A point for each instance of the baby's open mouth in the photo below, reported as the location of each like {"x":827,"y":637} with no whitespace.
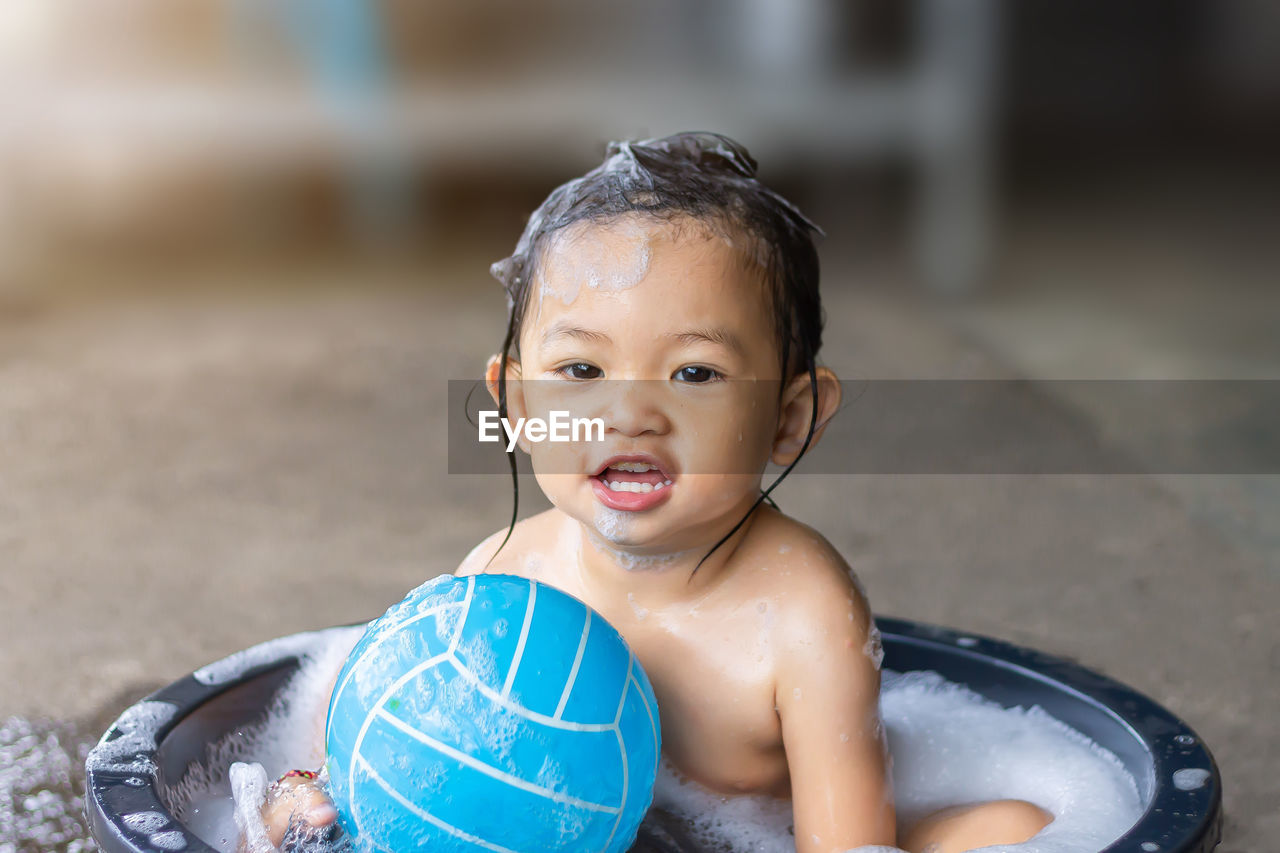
{"x":639,"y":477}
{"x":632,"y":474}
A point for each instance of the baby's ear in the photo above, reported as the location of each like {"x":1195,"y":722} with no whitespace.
{"x":515,"y":393}
{"x":797,"y":410}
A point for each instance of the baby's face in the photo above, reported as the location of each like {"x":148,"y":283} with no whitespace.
{"x":666,"y":334}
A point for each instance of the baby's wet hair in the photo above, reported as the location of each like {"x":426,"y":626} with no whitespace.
{"x":707,"y":178}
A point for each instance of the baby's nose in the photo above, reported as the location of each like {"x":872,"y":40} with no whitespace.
{"x":635,"y":407}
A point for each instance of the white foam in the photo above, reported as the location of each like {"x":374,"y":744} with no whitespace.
{"x":249,"y":791}
{"x":613,"y":527}
{"x":1190,"y":778}
{"x":137,"y":727}
{"x":169,"y":840}
{"x":873,"y":648}
{"x":290,"y":737}
{"x":577,"y":256}
{"x":949,"y":746}
{"x":231,"y":668}
{"x":145,"y":822}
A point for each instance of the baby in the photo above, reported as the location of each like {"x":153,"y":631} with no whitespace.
{"x":673,"y":296}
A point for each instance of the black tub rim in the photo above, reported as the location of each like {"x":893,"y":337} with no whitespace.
{"x":1175,"y":820}
{"x":123,"y":776}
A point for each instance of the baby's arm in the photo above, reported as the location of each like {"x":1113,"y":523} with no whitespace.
{"x":828,"y":694}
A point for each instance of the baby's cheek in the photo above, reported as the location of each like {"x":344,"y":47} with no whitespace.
{"x":558,"y":487}
{"x":556,"y":458}
{"x":716,"y":493}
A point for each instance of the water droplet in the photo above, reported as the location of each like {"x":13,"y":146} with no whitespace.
{"x":967,"y":642}
{"x":1150,"y":846}
{"x":1185,"y":740}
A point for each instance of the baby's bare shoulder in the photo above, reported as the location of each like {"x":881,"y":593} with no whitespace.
{"x":819,"y":597}
{"x":503,"y":554}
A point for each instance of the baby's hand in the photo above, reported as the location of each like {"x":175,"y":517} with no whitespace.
{"x":296,"y":817}
{"x":299,"y":816}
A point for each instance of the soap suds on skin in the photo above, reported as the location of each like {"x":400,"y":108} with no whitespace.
{"x":874,"y":649}
{"x":612,"y":526}
{"x":593,"y":263}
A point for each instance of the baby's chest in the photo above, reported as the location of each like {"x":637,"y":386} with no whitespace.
{"x":716,"y":701}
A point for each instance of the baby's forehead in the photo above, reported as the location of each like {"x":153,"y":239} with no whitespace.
{"x":618,"y":253}
{"x":647,"y":274}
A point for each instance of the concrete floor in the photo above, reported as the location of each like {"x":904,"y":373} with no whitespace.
{"x":187,"y":472}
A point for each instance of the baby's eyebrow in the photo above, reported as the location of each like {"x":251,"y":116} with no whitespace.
{"x":723,"y":337}
{"x":561,"y":330}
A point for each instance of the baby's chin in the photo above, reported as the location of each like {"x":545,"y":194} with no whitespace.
{"x":619,"y":533}
{"x":616,"y":528}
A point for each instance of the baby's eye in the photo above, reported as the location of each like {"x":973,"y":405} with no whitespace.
{"x":695,"y":373}
{"x":579,"y":370}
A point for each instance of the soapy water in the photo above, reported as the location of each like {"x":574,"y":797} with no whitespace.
{"x":949,"y":746}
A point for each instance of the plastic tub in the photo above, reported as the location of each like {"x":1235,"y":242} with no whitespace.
{"x":153,"y":743}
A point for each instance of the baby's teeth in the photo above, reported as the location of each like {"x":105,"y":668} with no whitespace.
{"x":639,"y":488}
{"x":659,"y":485}
{"x":633,"y":467}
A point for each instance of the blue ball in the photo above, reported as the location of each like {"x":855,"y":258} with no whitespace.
{"x":492,"y":713}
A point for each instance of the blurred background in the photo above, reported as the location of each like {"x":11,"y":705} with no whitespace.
{"x":244,"y":245}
